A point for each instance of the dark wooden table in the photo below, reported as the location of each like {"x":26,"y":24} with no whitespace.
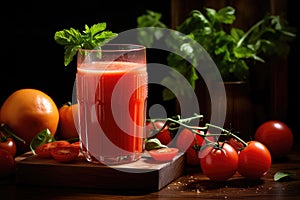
{"x":192,"y":184}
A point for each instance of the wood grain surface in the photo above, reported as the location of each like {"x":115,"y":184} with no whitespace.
{"x":192,"y":184}
{"x":144,"y":174}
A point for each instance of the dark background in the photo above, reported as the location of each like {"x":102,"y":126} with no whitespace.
{"x":293,"y":73}
{"x":30,"y":58}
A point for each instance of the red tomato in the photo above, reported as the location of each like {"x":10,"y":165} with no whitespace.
{"x":237,"y":145}
{"x":220,"y":164}
{"x":163,"y":154}
{"x":276,"y":136}
{"x":67,"y":121}
{"x":44,"y":149}
{"x":7,"y":163}
{"x":9,"y":144}
{"x":254,"y":160}
{"x":65,"y":153}
{"x":163,"y":135}
{"x":186,"y":142}
{"x":76,"y":144}
{"x":59,"y":143}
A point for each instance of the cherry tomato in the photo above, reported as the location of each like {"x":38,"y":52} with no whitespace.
{"x":163,"y":135}
{"x":67,"y":121}
{"x":254,"y":160}
{"x":65,"y":153}
{"x":7,"y":163}
{"x":237,"y":145}
{"x":190,"y":143}
{"x":8,"y":144}
{"x":44,"y":149}
{"x":276,"y":136}
{"x":163,"y":154}
{"x":220,"y":163}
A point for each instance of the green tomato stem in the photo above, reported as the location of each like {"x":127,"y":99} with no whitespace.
{"x":3,"y":137}
{"x":5,"y":128}
{"x":197,"y":129}
{"x":179,"y":121}
{"x":228,"y":133}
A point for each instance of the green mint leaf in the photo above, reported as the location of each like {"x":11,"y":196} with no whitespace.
{"x":70,"y":52}
{"x":96,"y":28}
{"x":42,"y":137}
{"x":91,"y":38}
{"x":68,"y":37}
{"x":279,"y":176}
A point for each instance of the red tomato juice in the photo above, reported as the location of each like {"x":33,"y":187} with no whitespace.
{"x":112,"y":110}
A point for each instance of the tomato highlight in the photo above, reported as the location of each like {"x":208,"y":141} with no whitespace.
{"x":9,"y":144}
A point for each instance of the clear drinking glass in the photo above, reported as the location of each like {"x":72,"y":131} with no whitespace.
{"x":112,"y":89}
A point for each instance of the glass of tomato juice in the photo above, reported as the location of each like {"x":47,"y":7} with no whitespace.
{"x":111,"y":91}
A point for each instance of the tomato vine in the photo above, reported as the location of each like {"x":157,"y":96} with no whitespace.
{"x":174,"y":124}
{"x":5,"y":128}
{"x":221,"y":153}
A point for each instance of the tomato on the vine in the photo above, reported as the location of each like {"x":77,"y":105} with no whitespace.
{"x":237,"y":145}
{"x":7,"y":163}
{"x":65,"y":153}
{"x":8,"y":144}
{"x":190,"y":142}
{"x":163,"y":154}
{"x":219,"y":163}
{"x":155,"y":130}
{"x":254,"y":160}
{"x":276,"y":136}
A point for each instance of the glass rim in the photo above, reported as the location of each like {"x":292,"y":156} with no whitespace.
{"x":126,"y":48}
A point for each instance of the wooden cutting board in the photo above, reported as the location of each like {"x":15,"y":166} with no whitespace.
{"x":144,"y":174}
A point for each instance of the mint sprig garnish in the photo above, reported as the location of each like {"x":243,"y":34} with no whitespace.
{"x":91,"y":38}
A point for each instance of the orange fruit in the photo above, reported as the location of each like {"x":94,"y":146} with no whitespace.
{"x":28,"y":111}
{"x":67,"y":121}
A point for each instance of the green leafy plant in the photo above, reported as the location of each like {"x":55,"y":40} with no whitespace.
{"x":232,"y":49}
{"x":150,"y":19}
{"x":91,"y":38}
